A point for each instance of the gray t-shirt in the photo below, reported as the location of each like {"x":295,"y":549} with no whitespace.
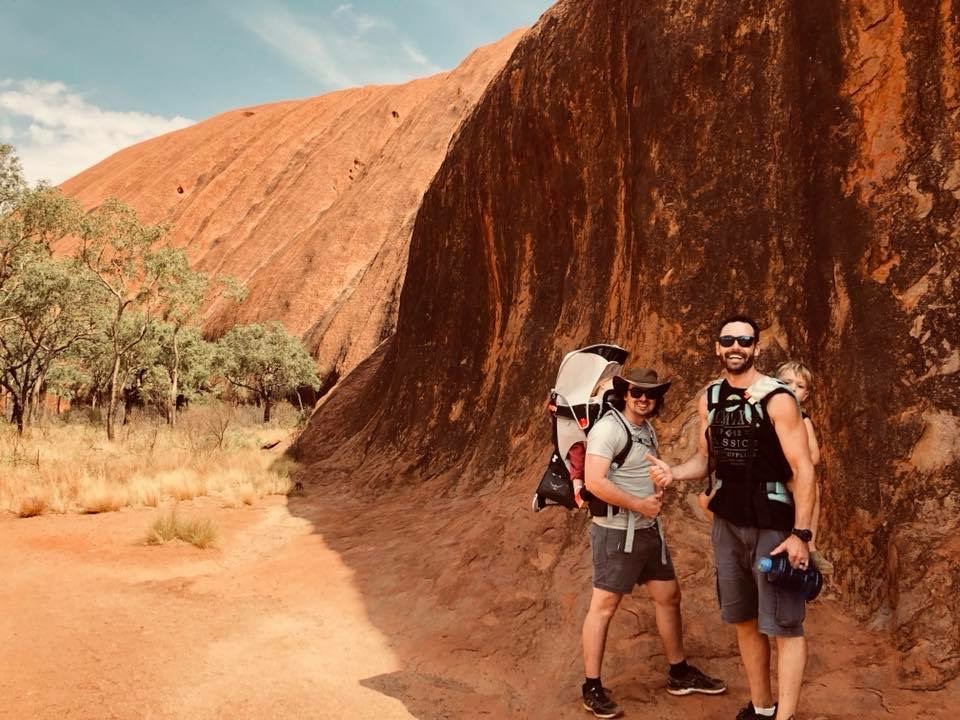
{"x":606,"y":439}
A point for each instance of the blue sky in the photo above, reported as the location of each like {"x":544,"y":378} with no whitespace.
{"x":80,"y":80}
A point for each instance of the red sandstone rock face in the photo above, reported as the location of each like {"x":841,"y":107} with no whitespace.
{"x":640,"y":170}
{"x":308,"y":202}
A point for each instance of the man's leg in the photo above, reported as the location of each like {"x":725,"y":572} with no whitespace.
{"x":791,"y":660}
{"x":682,"y":678}
{"x":666,"y":598}
{"x":755,"y":654}
{"x":603,"y":605}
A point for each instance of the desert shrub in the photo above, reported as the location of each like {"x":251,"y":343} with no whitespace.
{"x":32,"y":506}
{"x":201,"y":532}
{"x":101,"y":496}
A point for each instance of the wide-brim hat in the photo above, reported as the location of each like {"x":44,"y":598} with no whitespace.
{"x":645,"y":378}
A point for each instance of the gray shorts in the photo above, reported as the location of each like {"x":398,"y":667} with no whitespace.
{"x":617,"y":571}
{"x":743,"y":591}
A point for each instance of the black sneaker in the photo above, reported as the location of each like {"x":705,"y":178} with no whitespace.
{"x":748,"y":713}
{"x":597,"y":701}
{"x":694,"y":681}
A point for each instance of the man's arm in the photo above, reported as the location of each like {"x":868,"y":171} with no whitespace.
{"x":812,"y":442}
{"x":693,"y":468}
{"x":792,"y":433}
{"x":599,"y":484}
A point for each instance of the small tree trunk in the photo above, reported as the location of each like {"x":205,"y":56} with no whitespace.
{"x":128,"y":396}
{"x":16,"y":417}
{"x":174,"y":381}
{"x":23,"y":402}
{"x":267,"y":404}
{"x":112,"y":406}
{"x":32,"y":409}
{"x":36,"y":400}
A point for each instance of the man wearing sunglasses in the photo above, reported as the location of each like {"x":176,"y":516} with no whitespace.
{"x":627,"y":543}
{"x":752,"y":432}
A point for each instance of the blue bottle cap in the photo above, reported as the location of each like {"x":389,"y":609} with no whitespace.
{"x":765,"y":564}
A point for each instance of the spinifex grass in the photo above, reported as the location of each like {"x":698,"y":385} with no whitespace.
{"x":172,"y":526}
{"x":215,"y":449}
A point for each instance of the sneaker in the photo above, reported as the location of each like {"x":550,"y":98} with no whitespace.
{"x":748,"y":713}
{"x":598,"y":701}
{"x":694,"y":682}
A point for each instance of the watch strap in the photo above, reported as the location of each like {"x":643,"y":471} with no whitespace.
{"x":803,"y":533}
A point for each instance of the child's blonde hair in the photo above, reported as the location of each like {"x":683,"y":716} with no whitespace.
{"x":798,"y":369}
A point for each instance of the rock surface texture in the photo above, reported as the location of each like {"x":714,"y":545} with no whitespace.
{"x":638,"y":171}
{"x":310,"y":203}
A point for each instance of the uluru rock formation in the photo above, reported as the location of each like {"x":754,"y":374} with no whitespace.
{"x":638,"y":171}
{"x":309,"y":203}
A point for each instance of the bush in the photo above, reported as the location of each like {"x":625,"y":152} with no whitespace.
{"x":201,"y":533}
{"x":32,"y":506}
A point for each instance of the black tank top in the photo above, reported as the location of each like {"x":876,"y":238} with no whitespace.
{"x":748,"y":460}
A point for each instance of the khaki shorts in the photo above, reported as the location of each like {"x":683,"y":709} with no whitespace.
{"x":617,"y":571}
{"x":743,"y":591}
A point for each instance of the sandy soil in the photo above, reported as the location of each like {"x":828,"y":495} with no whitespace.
{"x":98,"y":625}
{"x":312,"y":608}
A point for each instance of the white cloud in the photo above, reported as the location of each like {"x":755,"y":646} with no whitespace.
{"x":306,"y":50}
{"x":414,"y":53}
{"x":343,"y":48}
{"x":362,"y":22}
{"x":57,"y":133}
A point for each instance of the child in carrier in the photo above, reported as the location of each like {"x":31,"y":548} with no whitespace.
{"x":577,"y":399}
{"x":798,"y":378}
{"x":576,"y":456}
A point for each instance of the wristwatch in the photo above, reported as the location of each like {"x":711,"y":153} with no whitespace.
{"x":803,"y":533}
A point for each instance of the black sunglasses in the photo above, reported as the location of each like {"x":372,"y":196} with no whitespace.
{"x":637,"y":393}
{"x":742,"y":340}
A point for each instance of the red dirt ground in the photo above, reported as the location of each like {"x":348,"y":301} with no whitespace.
{"x":311,"y":608}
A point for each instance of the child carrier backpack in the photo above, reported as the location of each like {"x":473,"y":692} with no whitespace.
{"x":581,"y":396}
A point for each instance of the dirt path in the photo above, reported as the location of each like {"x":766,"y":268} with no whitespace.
{"x":317,"y":609}
{"x":97,"y":625}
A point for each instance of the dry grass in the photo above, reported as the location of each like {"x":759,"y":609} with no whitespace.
{"x":213,"y":451}
{"x":170,"y":526}
{"x":32,"y":506}
{"x":101,"y":496}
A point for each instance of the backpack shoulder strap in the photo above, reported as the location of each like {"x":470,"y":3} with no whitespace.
{"x":713,"y":399}
{"x":622,"y":454}
{"x":764,"y":389}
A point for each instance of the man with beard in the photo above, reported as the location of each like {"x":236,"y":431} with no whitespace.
{"x":627,"y":543}
{"x":752,"y":435}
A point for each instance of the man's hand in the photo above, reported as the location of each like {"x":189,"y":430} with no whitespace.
{"x":649,"y":506}
{"x":797,"y":552}
{"x":660,"y":472}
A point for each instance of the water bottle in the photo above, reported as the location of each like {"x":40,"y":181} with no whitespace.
{"x":807,"y":582}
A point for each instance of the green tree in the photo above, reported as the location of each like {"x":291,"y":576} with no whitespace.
{"x":267,"y":361}
{"x":36,"y":218}
{"x":182,"y":367}
{"x":136,"y":275}
{"x":12,"y":182}
{"x":52,"y":306}
{"x":184,"y":292}
{"x":47,"y":305}
{"x":67,"y":378}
